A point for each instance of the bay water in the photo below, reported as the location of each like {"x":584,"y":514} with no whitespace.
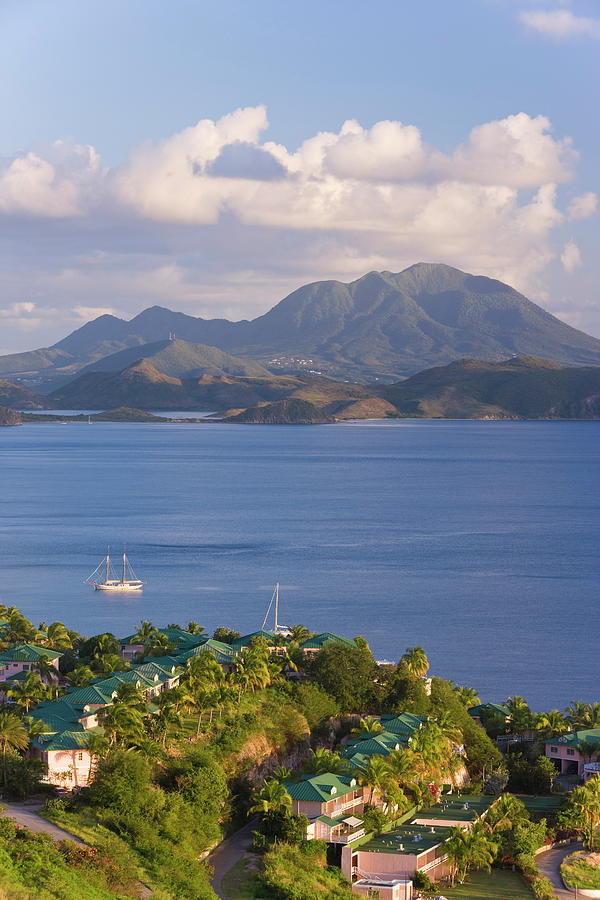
{"x":477,"y":540}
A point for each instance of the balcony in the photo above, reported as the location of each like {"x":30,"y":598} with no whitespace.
{"x":346,"y":834}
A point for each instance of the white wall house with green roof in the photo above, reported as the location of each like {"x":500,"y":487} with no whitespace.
{"x":332,"y":804}
{"x":570,"y":753}
{"x":66,"y":757}
{"x":26,"y":658}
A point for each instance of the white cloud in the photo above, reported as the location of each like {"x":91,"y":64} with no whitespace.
{"x":570,"y":256}
{"x":560,"y":23}
{"x":220,"y":222}
{"x":583,"y":207}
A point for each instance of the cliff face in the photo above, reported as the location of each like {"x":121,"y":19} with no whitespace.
{"x":9,"y":416}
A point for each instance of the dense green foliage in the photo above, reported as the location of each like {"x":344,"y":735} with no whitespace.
{"x":301,"y":873}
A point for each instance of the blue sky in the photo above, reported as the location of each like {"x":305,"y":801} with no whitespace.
{"x":110,"y":200}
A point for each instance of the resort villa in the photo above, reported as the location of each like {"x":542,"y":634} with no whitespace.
{"x":570,"y":753}
{"x":332,"y":805}
{"x":26,"y":658}
{"x":392,"y":858}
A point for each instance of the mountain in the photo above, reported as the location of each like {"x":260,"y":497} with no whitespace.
{"x":283,"y":412}
{"x":382,"y":326}
{"x":524,"y":387}
{"x":179,"y":359}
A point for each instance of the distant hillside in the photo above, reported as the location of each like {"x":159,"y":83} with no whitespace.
{"x":382,"y":326}
{"x":283,"y":412}
{"x":20,"y":397}
{"x":523,"y":387}
{"x":9,"y":417}
{"x":179,"y":359}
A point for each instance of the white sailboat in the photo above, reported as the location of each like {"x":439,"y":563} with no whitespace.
{"x":111,"y":582}
{"x":282,"y":630}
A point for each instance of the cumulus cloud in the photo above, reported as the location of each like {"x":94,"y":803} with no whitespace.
{"x":570,"y":256}
{"x":560,"y":23}
{"x":583,"y":207}
{"x":219,"y":221}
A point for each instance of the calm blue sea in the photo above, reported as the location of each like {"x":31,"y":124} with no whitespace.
{"x":478,"y":540}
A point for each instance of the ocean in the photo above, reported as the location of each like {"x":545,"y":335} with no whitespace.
{"x":477,"y":540}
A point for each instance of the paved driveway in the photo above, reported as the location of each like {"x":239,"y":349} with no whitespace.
{"x":25,"y":814}
{"x":228,"y":853}
{"x":549,"y":865}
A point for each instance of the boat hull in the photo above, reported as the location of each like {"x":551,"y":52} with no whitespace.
{"x":120,"y":588}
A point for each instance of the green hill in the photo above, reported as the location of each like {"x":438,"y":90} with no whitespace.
{"x":20,"y":397}
{"x":283,"y":412}
{"x":179,"y":359}
{"x":523,"y":387}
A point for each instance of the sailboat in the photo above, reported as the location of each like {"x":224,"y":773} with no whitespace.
{"x":127,"y":582}
{"x":282,"y":630}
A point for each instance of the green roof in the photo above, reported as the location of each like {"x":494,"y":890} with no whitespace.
{"x":408,"y":840}
{"x":28,"y":653}
{"x":166,"y":662}
{"x":246,"y":639}
{"x":59,"y":715}
{"x":320,"y":788}
{"x":404,"y":723}
{"x":177,"y":636}
{"x":223,"y":653}
{"x":375,"y":745}
{"x":67,"y":740}
{"x":489,"y":707}
{"x":151,"y":669}
{"x":452,"y":808}
{"x":320,"y":640}
{"x":84,"y":696}
{"x":574,"y":738}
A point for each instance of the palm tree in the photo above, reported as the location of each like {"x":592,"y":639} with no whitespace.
{"x":81,"y":675}
{"x":577,"y":713}
{"x":47,"y":672}
{"x":368,"y":726}
{"x":145,"y":633}
{"x":298,"y":634}
{"x":521,"y":718}
{"x":97,"y":746}
{"x":31,"y":690}
{"x":58,"y":637}
{"x":271,"y":799}
{"x":415,"y":662}
{"x":376,"y":775}
{"x":195,"y":628}
{"x":122,"y":722}
{"x":158,"y":645}
{"x":321,"y":761}
{"x":448,"y":727}
{"x":592,"y":715}
{"x":35,"y":727}
{"x":401,"y":764}
{"x":588,"y":749}
{"x":282,"y":773}
{"x":468,"y":695}
{"x":469,"y":848}
{"x":13,"y":736}
{"x":552,"y":722}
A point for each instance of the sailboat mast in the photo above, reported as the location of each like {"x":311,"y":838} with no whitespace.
{"x":107,"y":576}
{"x":124,"y":569}
{"x":276,"y":606}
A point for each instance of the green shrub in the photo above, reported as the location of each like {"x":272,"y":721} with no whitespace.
{"x":542,"y":889}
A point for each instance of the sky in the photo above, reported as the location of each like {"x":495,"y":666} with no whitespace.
{"x":213,"y":156}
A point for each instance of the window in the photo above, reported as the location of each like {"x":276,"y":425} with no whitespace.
{"x":80,"y":756}
{"x":553,"y":749}
{"x":570,"y":752}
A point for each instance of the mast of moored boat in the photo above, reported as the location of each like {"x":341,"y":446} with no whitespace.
{"x":107,"y":576}
{"x":124,"y":568}
{"x":276,"y":607}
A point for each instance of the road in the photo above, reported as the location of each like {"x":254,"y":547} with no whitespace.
{"x":549,"y":865}
{"x":25,"y":814}
{"x":228,"y":853}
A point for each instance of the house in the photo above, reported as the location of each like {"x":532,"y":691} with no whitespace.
{"x":177,"y":637}
{"x":567,"y":752}
{"x":223,"y":653}
{"x":314,"y":644}
{"x":68,"y":761}
{"x":415,"y":846}
{"x":26,"y":658}
{"x":398,"y":854}
{"x":483,"y":709}
{"x":331,"y":803}
{"x":384,"y":888}
{"x":246,"y":640}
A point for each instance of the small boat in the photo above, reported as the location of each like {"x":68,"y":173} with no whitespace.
{"x":127,"y":582}
{"x":281,"y":630}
